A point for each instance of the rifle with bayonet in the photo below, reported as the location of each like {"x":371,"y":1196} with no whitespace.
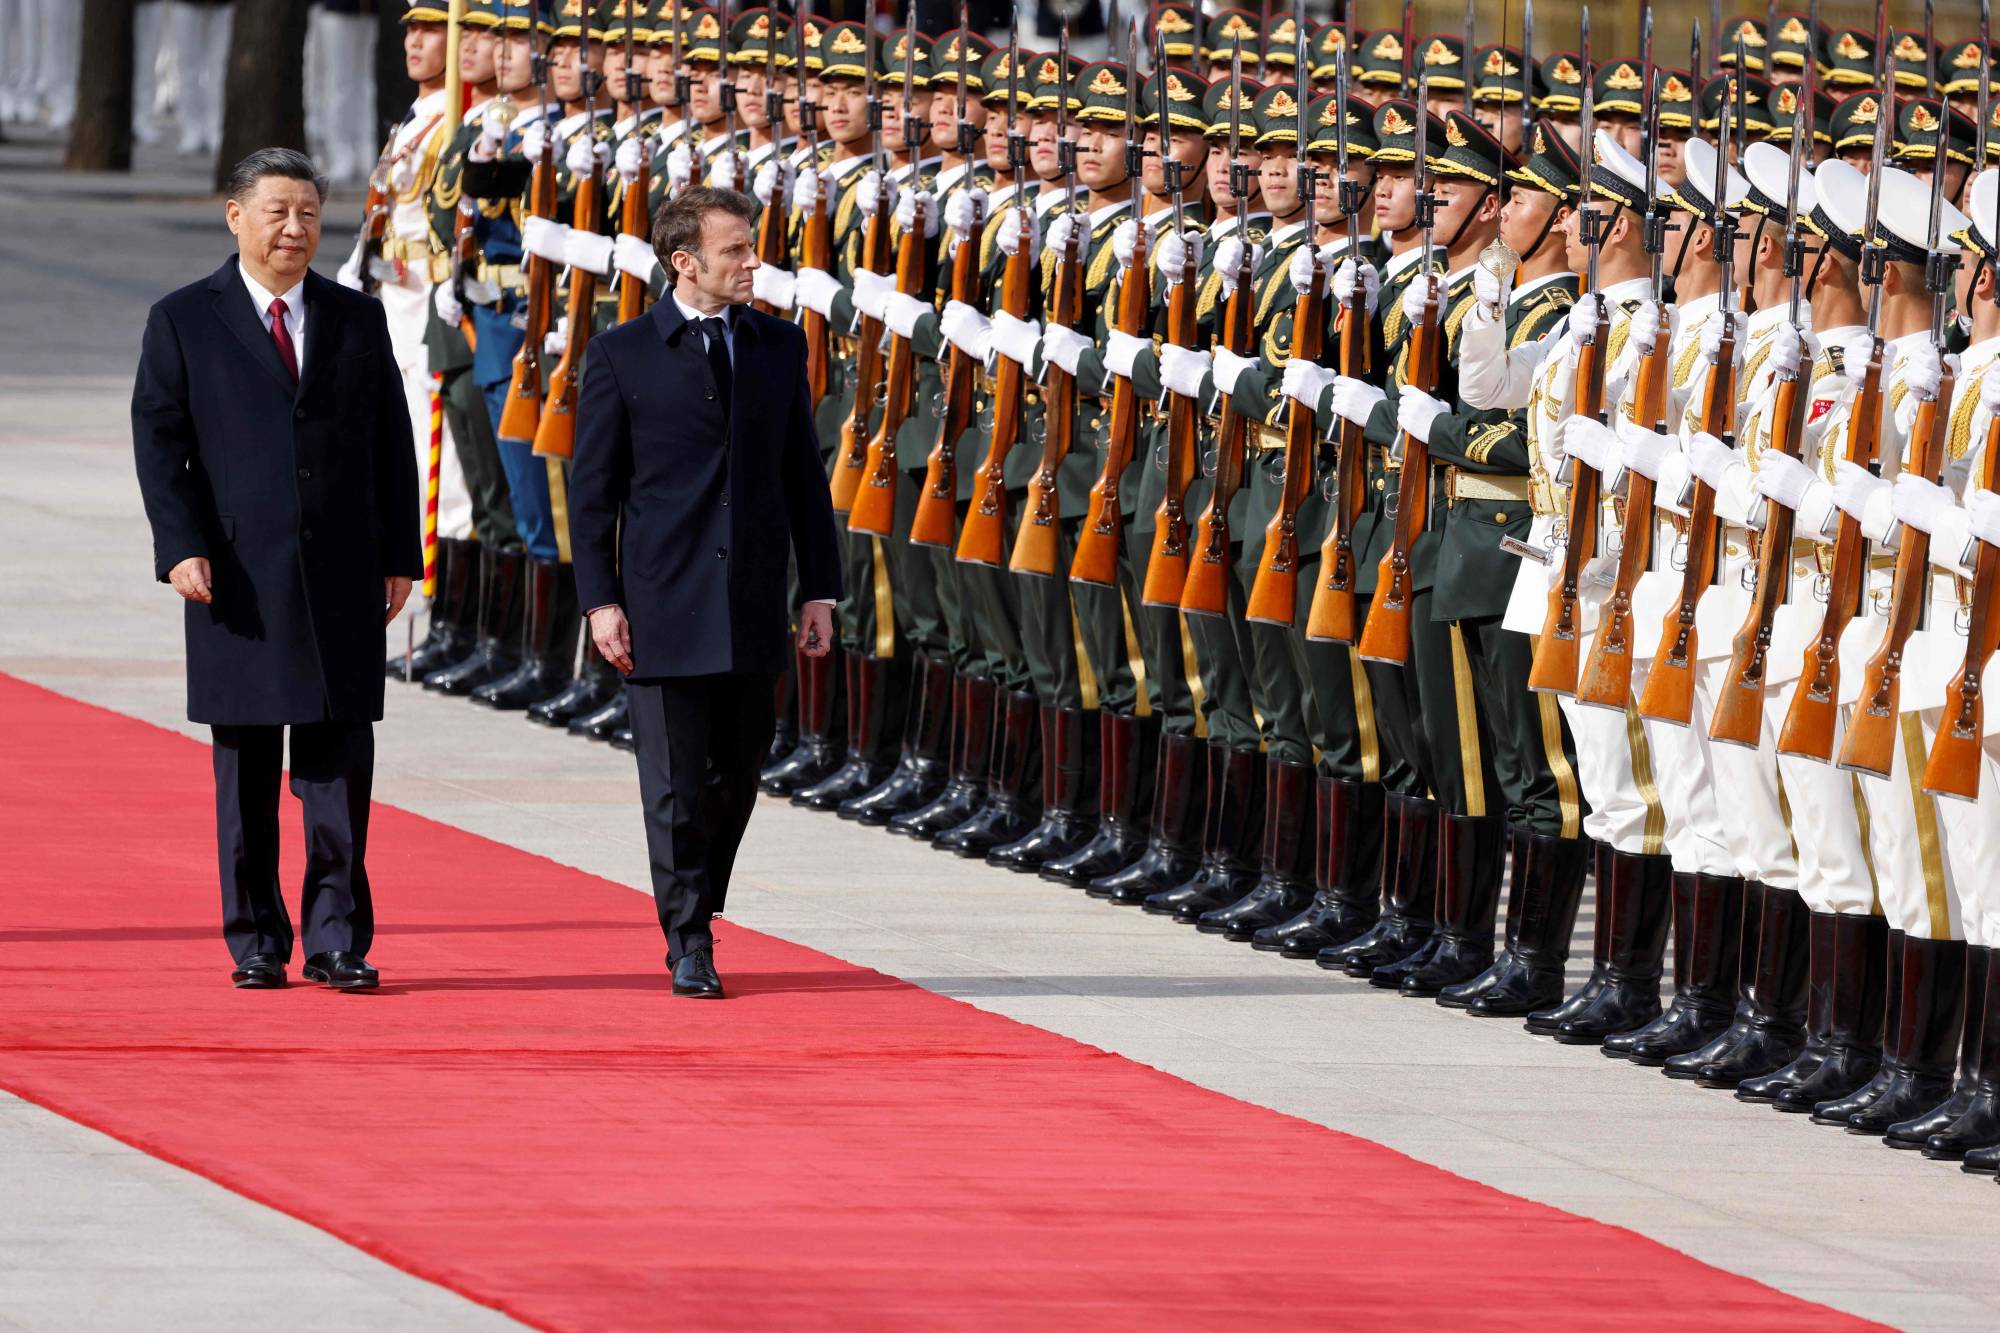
{"x":1096,"y":558}
{"x":521,"y":411}
{"x":773,"y":223}
{"x":851,"y":455}
{"x":1035,"y":542}
{"x":1557,"y":652}
{"x":1206,"y":590}
{"x":981,"y":540}
{"x":1953,"y":766}
{"x":1167,"y":562}
{"x":1386,"y":635}
{"x":1607,"y":674}
{"x":1813,"y":716}
{"x":1274,"y":594}
{"x":1870,"y":744}
{"x":874,"y":503}
{"x":816,"y":230}
{"x":937,"y":504}
{"x":555,"y":435}
{"x":634,"y":216}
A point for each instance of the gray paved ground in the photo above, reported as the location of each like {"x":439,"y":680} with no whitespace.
{"x":1812,"y":1211}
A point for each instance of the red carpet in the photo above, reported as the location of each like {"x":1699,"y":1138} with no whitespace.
{"x":525,"y":1116}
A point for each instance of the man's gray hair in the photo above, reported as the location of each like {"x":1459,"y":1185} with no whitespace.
{"x":287,"y":162}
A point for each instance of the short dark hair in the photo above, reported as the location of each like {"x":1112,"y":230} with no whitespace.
{"x":287,"y":162}
{"x":678,"y":225}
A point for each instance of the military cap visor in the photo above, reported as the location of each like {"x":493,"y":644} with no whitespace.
{"x":1185,"y":94}
{"x":1396,"y":131}
{"x":1102,"y":90}
{"x":1551,"y":166}
{"x":1469,"y":151}
{"x":994,"y":75}
{"x":1854,"y":119}
{"x":1919,"y":124}
{"x":1323,"y":128}
{"x":1497,"y":76}
{"x":1221,"y":97}
{"x":843,"y":52}
{"x":1381,"y":59}
{"x":1958,"y":68}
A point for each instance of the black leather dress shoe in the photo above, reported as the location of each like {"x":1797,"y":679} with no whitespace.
{"x":694,"y":975}
{"x":260,"y":971}
{"x":342,"y":971}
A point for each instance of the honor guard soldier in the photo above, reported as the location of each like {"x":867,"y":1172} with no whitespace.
{"x":1226,"y":28}
{"x":1562,"y":104}
{"x":1441,"y":62}
{"x":1497,"y":89}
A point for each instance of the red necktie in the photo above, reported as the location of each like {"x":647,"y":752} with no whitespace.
{"x":283,"y":337}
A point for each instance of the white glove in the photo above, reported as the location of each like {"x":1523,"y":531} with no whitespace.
{"x":869,"y":193}
{"x":1922,"y":371}
{"x":1063,"y":346}
{"x":533,"y":140}
{"x":806,"y":191}
{"x":627,"y":159}
{"x":1782,"y":478}
{"x":1009,"y":237}
{"x":633,"y":256}
{"x":1589,"y":440}
{"x":1490,"y":291}
{"x":1644,"y":450}
{"x":1417,"y":412}
{"x":680,"y":166}
{"x":1416,"y":294}
{"x":774,"y":181}
{"x":1855,"y":490}
{"x":1305,"y":382}
{"x":1061,"y":232}
{"x":1348,"y":274}
{"x":1555,"y":457}
{"x":492,"y":132}
{"x":816,"y":289}
{"x":1229,"y":258}
{"x":586,"y":152}
{"x":1583,"y":317}
{"x":1788,"y":352}
{"x":872,"y":292}
{"x":1709,"y":459}
{"x":445,"y":300}
{"x":1121,"y":352}
{"x":1124,"y":239}
{"x":902,"y":313}
{"x":556,"y":340}
{"x":1305,"y":263}
{"x":1184,"y":370}
{"x":587,"y":250}
{"x":1854,"y":354}
{"x":1982,"y":515}
{"x":913,"y":203}
{"x":967,"y":329}
{"x":1016,"y":339}
{"x":1647,"y":321}
{"x":1918,"y":502}
{"x":1229,"y":368}
{"x":726,"y":170}
{"x":774,"y":286}
{"x":349,"y":275}
{"x":1354,"y":400}
{"x":1711,"y":339}
{"x":1176,"y":254}
{"x":965,"y":211}
{"x":545,"y":237}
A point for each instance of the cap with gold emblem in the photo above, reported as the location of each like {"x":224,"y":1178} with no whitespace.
{"x":1496,"y":77}
{"x":702,"y":37}
{"x":1673,"y":98}
{"x":1922,"y":121}
{"x":1618,"y":87}
{"x":1792,"y":44}
{"x":1277,"y":112}
{"x":1176,"y":23}
{"x":1052,"y":82}
{"x":616,"y":17}
{"x":575,"y":19}
{"x":1102,"y":88}
{"x":757,"y":33}
{"x":1281,"y":43}
{"x":1322,"y":125}
{"x":1396,"y":132}
{"x":1852,"y":123}
{"x":899,"y":49}
{"x":1185,"y":93}
{"x":1381,"y":60}
{"x":1911,"y":60}
{"x":1327,"y":45}
{"x":1958,"y":68}
{"x":843,"y":52}
{"x":1468,"y":151}
{"x":521,"y":16}
{"x":1849,"y":58}
{"x":486,"y":13}
{"x":1221,"y":100}
{"x":995,"y":75}
{"x":1785,"y":101}
{"x":1552,"y":166}
{"x":1223,"y":31}
{"x":1755,"y":102}
{"x":435,"y":11}
{"x":1442,"y":57}
{"x":1562,"y":75}
{"x":807,"y":40}
{"x":1749,"y":34}
{"x":959,"y":56}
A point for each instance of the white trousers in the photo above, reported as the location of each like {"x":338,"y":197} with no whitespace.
{"x":1906,"y":834}
{"x":407,"y":306}
{"x":340,"y":93}
{"x":198,"y":37}
{"x":145,"y":73}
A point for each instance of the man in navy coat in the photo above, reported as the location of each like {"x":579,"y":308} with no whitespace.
{"x":279,"y":477}
{"x":697,"y":476}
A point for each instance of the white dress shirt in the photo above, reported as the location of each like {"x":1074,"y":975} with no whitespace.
{"x":295,"y":311}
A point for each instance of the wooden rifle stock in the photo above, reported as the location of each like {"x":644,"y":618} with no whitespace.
{"x":1167,"y":562}
{"x":1870,"y":744}
{"x":850,"y":460}
{"x":1334,"y":613}
{"x":1668,"y":695}
{"x":1814,"y":713}
{"x":521,"y":415}
{"x":1739,"y":708}
{"x":1386,"y":636}
{"x":555,"y":436}
{"x":634,"y":219}
{"x":1035,"y":541}
{"x":1096,"y":558}
{"x":1557,"y":655}
{"x":874,"y":502}
{"x":982,"y":540}
{"x":1607,"y":673}
{"x":773,"y":237}
{"x":816,"y":251}
{"x":937,"y":507}
{"x":1953,"y":766}
{"x":1274,"y":594}
{"x":1206,"y":588}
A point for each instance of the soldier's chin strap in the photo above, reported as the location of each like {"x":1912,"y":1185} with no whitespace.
{"x":1680,"y":255}
{"x":1543,"y":235}
{"x":1470,"y":214}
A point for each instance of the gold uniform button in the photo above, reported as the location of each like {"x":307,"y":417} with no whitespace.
{"x":1380,"y":483}
{"x":1500,"y":517}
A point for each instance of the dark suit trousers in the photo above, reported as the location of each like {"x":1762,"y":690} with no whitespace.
{"x":700,"y":741}
{"x":333,"y":770}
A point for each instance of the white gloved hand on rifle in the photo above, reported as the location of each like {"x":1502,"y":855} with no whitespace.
{"x":1124,"y":241}
{"x":967,"y":329}
{"x":1710,"y":459}
{"x":1782,"y":478}
{"x":1918,"y":502}
{"x":1491,"y":290}
{"x":726,"y":170}
{"x":870,"y":193}
{"x":1863,"y":497}
{"x":1347,"y":273}
{"x":816,"y":290}
{"x":1982,"y":515}
{"x":774,"y":286}
{"x":1122,"y":352}
{"x":587,"y":250}
{"x":586,"y":153}
{"x":1643,"y":451}
{"x":492,"y":132}
{"x":1590,"y":441}
{"x":1184,"y":370}
{"x":1647,"y":322}
{"x":680,"y":166}
{"x":1016,"y":339}
{"x":965,"y":211}
{"x":633,"y":256}
{"x":1583,"y":318}
{"x":534,"y":139}
{"x":902,"y":312}
{"x":1175,"y":254}
{"x":774,"y":181}
{"x":631,"y":153}
{"x":446,"y":302}
{"x":1008,"y":235}
{"x":1305,"y":382}
{"x":1354,"y":400}
{"x":556,"y":341}
{"x":1230,"y":257}
{"x":1417,"y":293}
{"x":545,"y":237}
{"x":916,"y":204}
{"x":1417,"y":412}
{"x":806,"y":191}
{"x":1063,"y":347}
{"x":1226,"y":367}
{"x":872,"y":291}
